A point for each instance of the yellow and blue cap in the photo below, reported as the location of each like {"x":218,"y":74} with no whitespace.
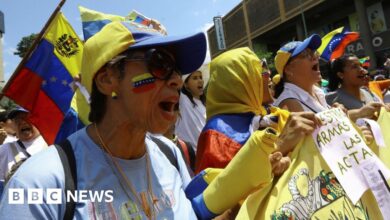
{"x":293,"y":49}
{"x":117,"y":37}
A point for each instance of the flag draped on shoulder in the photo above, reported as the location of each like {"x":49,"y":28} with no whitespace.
{"x":334,"y":43}
{"x":43,"y":84}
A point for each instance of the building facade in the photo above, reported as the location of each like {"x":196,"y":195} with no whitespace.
{"x":269,"y":24}
{"x":1,"y":49}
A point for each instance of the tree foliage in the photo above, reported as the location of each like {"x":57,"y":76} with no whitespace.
{"x":262,"y":52}
{"x":24,"y":45}
{"x":6,"y":103}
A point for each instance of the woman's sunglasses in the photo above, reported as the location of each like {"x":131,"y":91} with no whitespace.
{"x":159,"y":63}
{"x":265,"y":69}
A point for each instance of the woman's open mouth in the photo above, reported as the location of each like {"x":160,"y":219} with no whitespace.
{"x":168,"y":109}
{"x":316,"y":67}
{"x":169,"y":106}
{"x":26,"y":130}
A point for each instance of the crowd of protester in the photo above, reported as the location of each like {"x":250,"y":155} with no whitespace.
{"x":168,"y":150}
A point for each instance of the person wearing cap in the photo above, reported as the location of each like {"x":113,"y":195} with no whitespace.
{"x":297,"y":64}
{"x":192,"y":109}
{"x":133,"y":75}
{"x":7,"y":128}
{"x":29,"y":142}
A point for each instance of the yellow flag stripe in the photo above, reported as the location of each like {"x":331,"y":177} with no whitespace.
{"x":67,"y":45}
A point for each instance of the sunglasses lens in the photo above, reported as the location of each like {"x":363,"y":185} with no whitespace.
{"x":160,"y":64}
{"x":264,"y":64}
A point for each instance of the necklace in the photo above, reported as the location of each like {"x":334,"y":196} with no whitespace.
{"x":143,"y":202}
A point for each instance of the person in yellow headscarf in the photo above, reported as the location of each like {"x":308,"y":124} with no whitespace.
{"x":234,"y":107}
{"x":239,"y":121}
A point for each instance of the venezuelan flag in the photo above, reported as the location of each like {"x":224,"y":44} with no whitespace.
{"x":231,"y":129}
{"x":43,"y":84}
{"x":334,"y":43}
{"x":138,"y":18}
{"x":365,"y":61}
{"x":225,"y":134}
{"x":93,"y":21}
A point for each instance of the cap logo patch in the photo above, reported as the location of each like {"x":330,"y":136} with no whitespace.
{"x":290,"y":46}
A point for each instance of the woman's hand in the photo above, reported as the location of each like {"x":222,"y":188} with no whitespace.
{"x":367,"y":134}
{"x":340,"y":106}
{"x":387,"y":106}
{"x":370,"y":110}
{"x":279,"y":163}
{"x":298,"y":125}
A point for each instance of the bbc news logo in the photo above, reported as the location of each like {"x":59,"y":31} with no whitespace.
{"x":54,"y":196}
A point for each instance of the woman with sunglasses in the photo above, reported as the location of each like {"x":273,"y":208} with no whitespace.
{"x":298,"y":65}
{"x":192,"y":109}
{"x":133,"y":75}
{"x":347,"y":81}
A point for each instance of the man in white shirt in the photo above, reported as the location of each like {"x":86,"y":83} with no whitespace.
{"x":29,"y":142}
{"x":7,"y":128}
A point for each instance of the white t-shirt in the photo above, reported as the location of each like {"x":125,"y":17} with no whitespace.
{"x":12,"y":152}
{"x":308,"y":102}
{"x":95,"y":173}
{"x":9,"y":138}
{"x":191,"y":121}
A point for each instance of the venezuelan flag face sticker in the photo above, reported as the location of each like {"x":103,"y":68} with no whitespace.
{"x":143,"y":83}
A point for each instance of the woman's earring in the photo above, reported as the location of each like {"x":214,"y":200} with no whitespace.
{"x":114,"y":95}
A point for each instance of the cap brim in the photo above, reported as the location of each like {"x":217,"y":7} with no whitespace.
{"x":14,"y":112}
{"x":313,"y":42}
{"x":190,"y":50}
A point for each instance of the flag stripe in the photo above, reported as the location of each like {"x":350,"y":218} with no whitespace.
{"x":71,"y":123}
{"x":234,"y":126}
{"x":92,"y":27}
{"x":332,"y":44}
{"x":24,"y":83}
{"x":44,"y":113}
{"x":55,"y":77}
{"x":47,"y":117}
{"x":347,"y":39}
{"x":141,"y":20}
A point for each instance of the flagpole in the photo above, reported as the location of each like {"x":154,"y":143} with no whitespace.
{"x":32,"y":47}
